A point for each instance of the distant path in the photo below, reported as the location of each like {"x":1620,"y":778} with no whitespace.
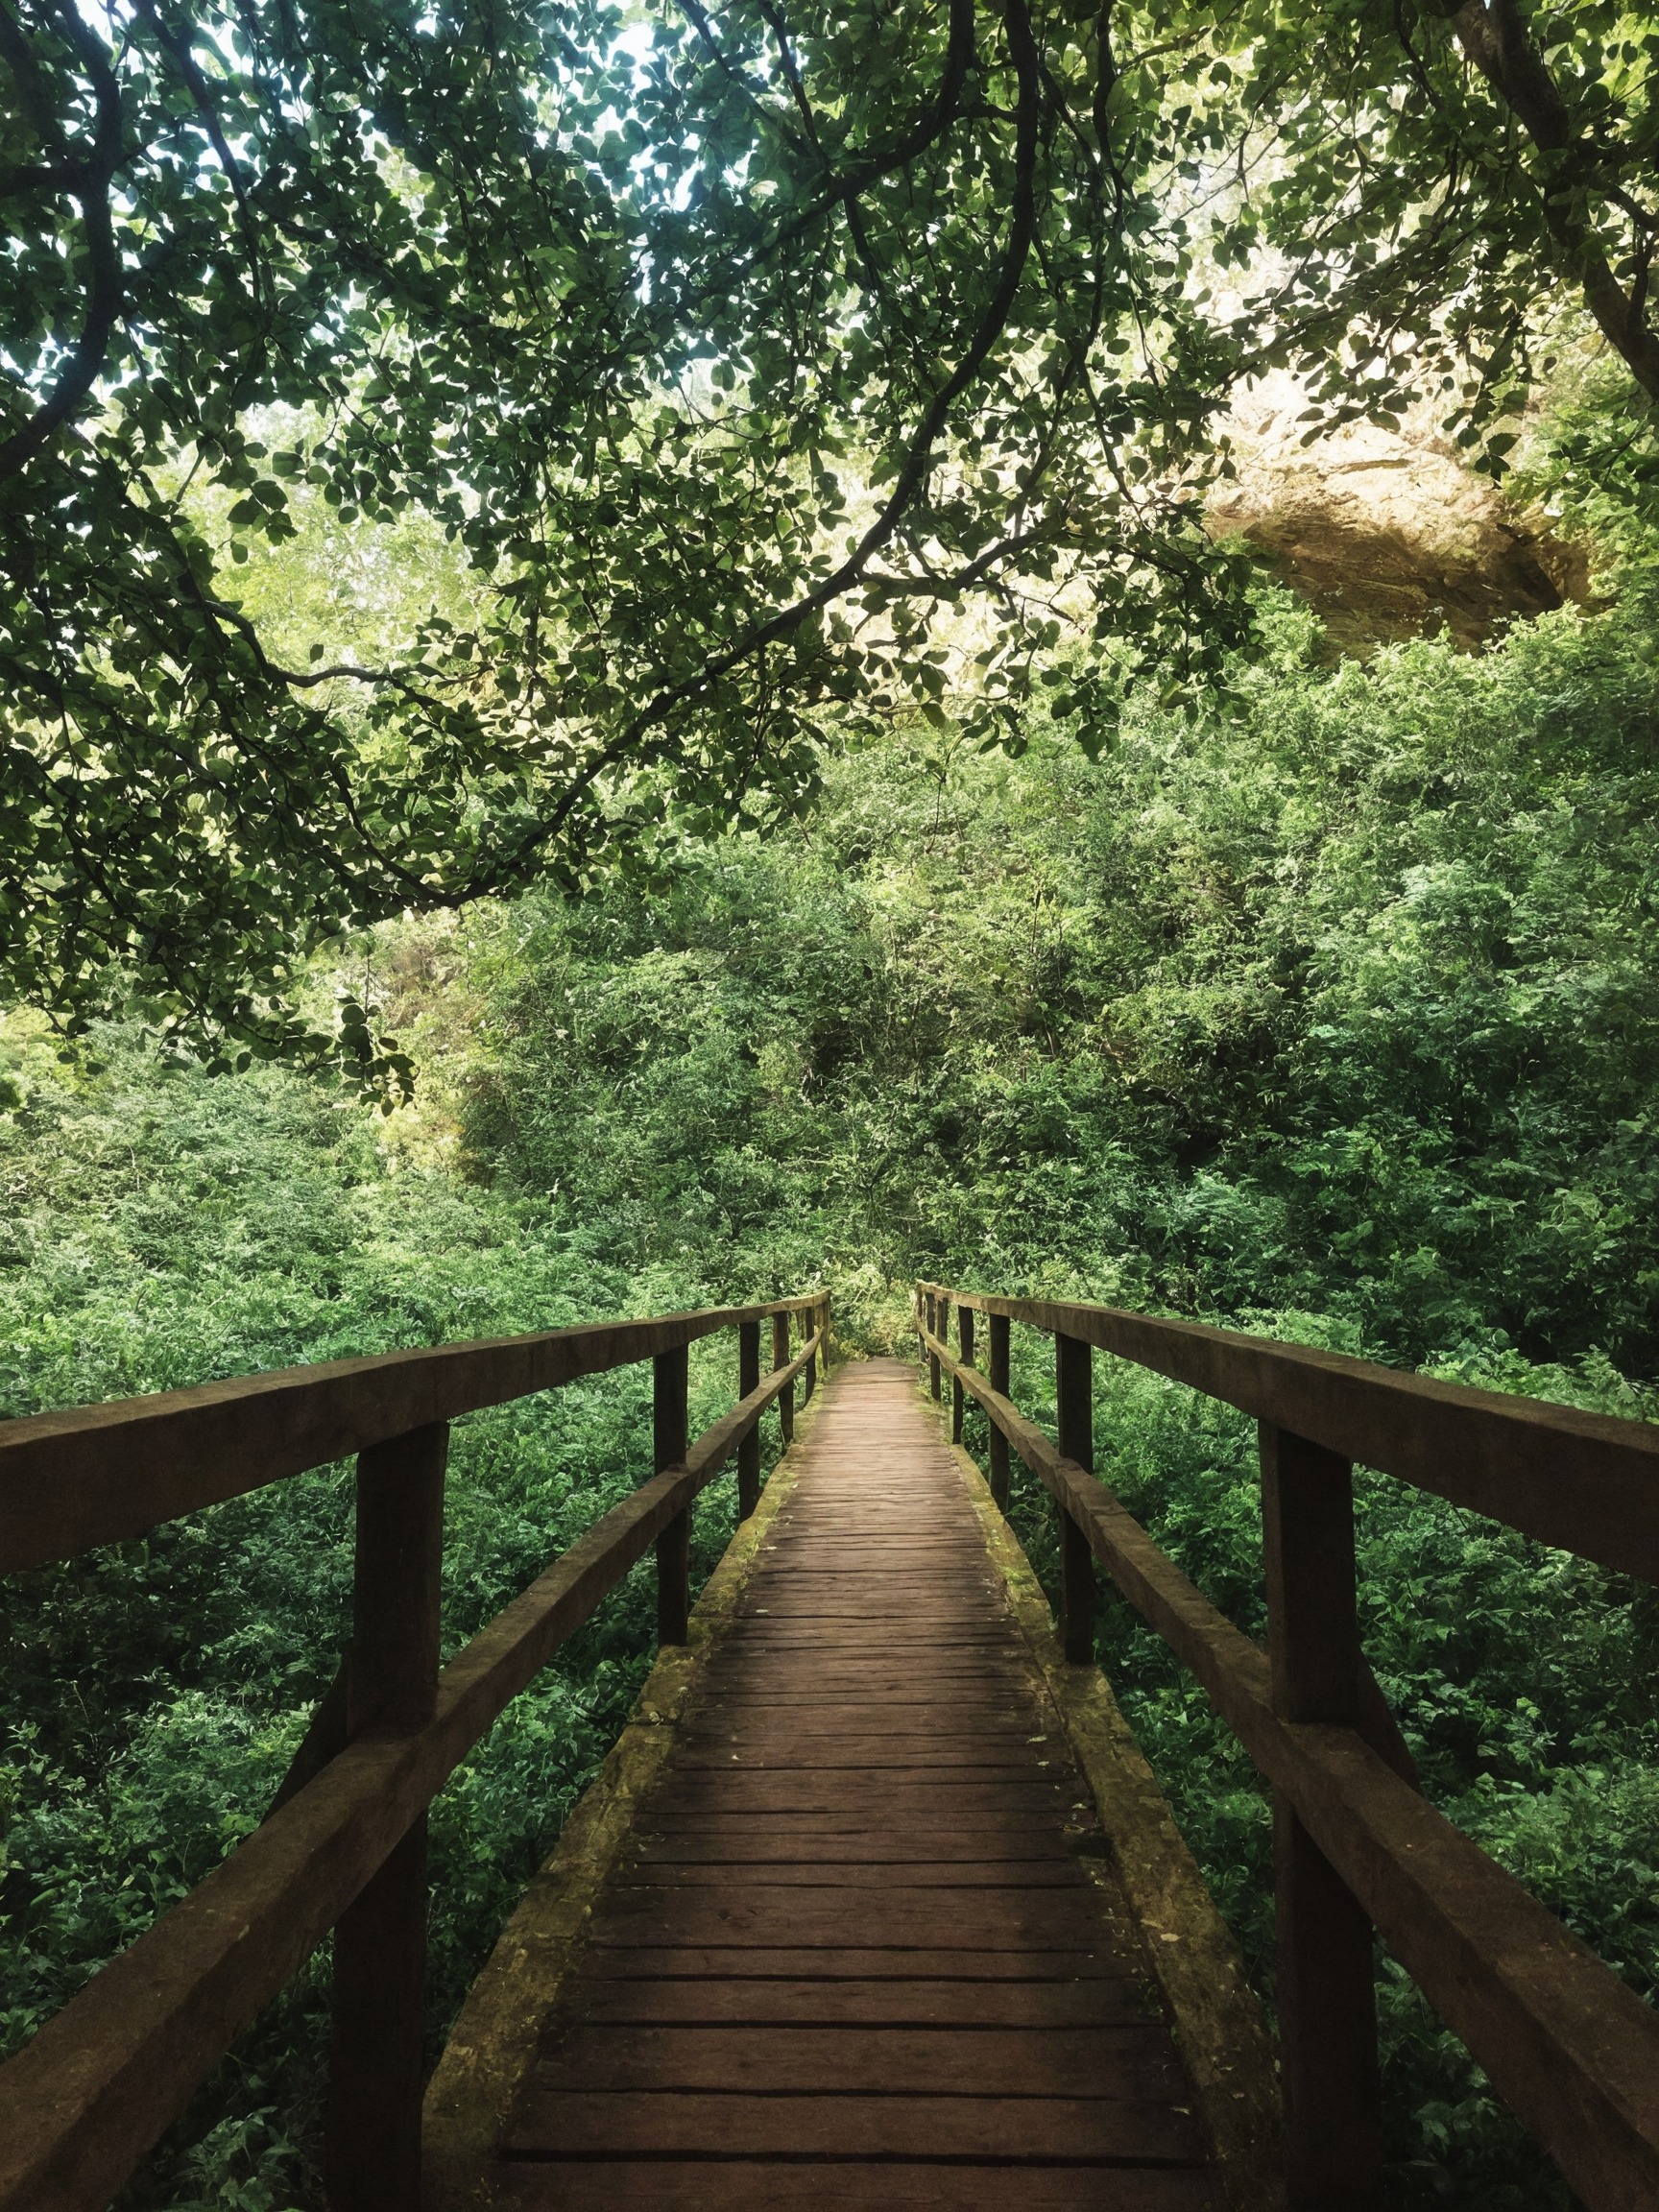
{"x":864,"y":1955}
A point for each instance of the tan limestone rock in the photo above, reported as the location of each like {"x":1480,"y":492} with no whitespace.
{"x":1384,"y":533}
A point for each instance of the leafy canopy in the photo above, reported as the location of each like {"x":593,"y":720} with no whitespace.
{"x":735,"y":356}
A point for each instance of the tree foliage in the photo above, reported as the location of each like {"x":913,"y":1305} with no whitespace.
{"x":739,"y":355}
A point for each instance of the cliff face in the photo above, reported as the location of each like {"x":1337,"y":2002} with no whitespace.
{"x":1384,"y":533}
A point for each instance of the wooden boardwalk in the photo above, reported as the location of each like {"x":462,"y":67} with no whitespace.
{"x":867,"y":1950}
{"x":875,"y":1901}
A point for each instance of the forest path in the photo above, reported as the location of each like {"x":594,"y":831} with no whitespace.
{"x":867,"y":1949}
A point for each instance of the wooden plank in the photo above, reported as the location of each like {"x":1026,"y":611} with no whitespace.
{"x":868,"y":1755}
{"x":879,"y":1703}
{"x":940,"y":1797}
{"x":822,"y":1873}
{"x":1118,"y":2063}
{"x":762,"y":2002}
{"x":1008,"y":1920}
{"x":886,"y":1720}
{"x":663,"y":2124}
{"x":848,"y":1962}
{"x":757,"y":2185}
{"x":981,"y":1677}
{"x":771,"y":1843}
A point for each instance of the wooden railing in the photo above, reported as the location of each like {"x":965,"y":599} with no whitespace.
{"x":344,"y":1846}
{"x":1571,"y":2050}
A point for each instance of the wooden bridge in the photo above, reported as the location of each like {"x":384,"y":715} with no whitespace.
{"x":875,"y":1902}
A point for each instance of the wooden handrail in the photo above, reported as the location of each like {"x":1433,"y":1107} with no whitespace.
{"x":1566,"y":2043}
{"x":100,"y":1474}
{"x":1586,"y":1482}
{"x":84,"y":2100}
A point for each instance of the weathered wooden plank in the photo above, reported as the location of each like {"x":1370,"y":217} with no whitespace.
{"x":766,"y":2002}
{"x":770,"y":1844}
{"x":594,"y":2124}
{"x":822,"y":1873}
{"x":940,"y":1796}
{"x":899,"y":1918}
{"x":757,"y":2185}
{"x":963,"y":1721}
{"x":850,"y":1962}
{"x":868,"y":1755}
{"x":876,"y":2059}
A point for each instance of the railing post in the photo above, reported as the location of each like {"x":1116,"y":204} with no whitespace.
{"x":1074,"y":1392}
{"x":748,"y":1450}
{"x":999,"y":1383}
{"x":372,"y":2154}
{"x":965,"y":1345}
{"x":809,"y":1329}
{"x":780,"y":1359}
{"x":1326,"y":1971}
{"x":938,"y":1321}
{"x":668,"y":1448}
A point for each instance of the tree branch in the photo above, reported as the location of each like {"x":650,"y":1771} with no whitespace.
{"x":104,"y":297}
{"x":912,"y":472}
{"x":1493,"y":36}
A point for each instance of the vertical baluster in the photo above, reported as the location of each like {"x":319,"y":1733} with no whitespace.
{"x":372,"y":2147}
{"x":810,"y":1330}
{"x":965,"y":1345}
{"x":941,"y":1331}
{"x":1074,"y":1392}
{"x":668,"y":1448}
{"x":748,"y":1450}
{"x":780,"y":1359}
{"x":999,"y":1383}
{"x":1326,"y":1972}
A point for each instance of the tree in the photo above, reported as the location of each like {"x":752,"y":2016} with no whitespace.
{"x":1434,"y":190}
{"x":741,"y":357}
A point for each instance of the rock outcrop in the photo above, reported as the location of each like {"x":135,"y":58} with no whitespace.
{"x":1384,"y":533}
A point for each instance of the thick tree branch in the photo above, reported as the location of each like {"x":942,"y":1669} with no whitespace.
{"x":104,"y":296}
{"x":1493,"y":36}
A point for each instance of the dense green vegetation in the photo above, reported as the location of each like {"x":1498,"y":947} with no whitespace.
{"x":1329,"y":1010}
